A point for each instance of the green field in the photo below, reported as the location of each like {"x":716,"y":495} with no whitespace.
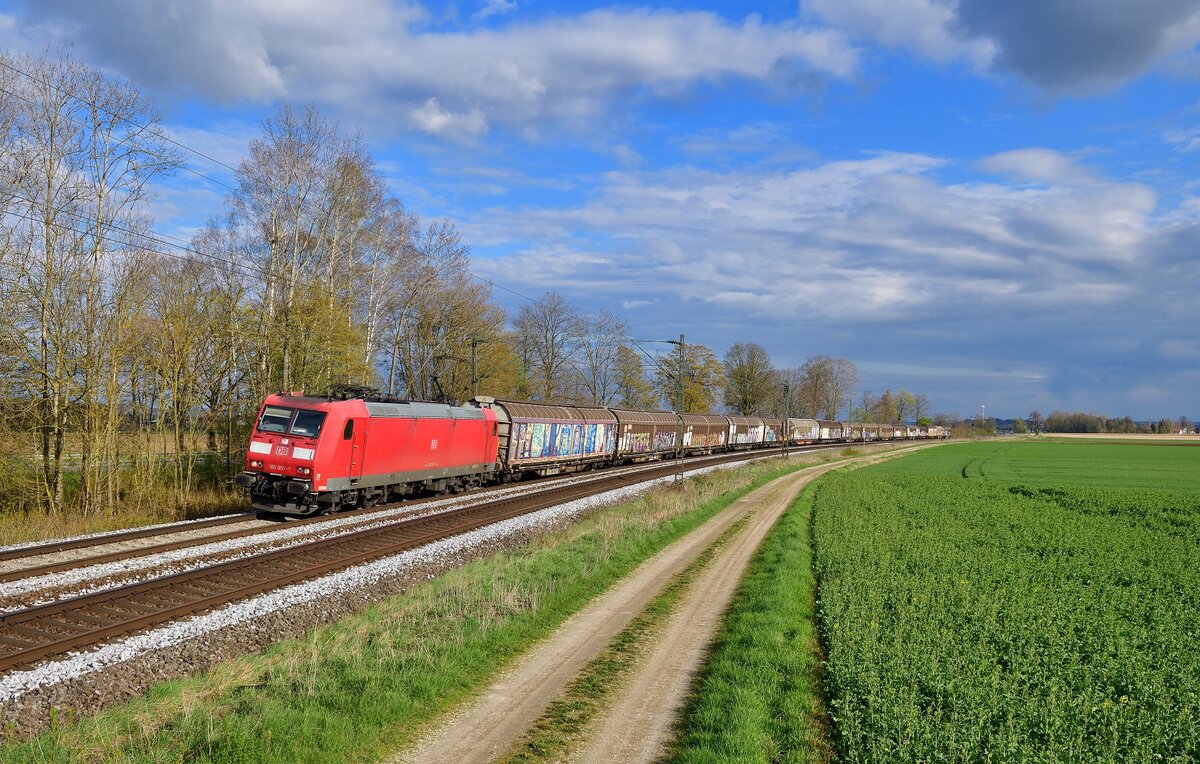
{"x":1013,"y":601}
{"x":1172,"y":466}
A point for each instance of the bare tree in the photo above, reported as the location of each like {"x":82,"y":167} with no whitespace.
{"x":86,"y":149}
{"x":786,"y":397}
{"x":749,"y":378}
{"x":603,"y":337}
{"x":828,"y":385}
{"x":921,"y":407}
{"x":276,"y":206}
{"x":435,"y":309}
{"x":550,"y":335}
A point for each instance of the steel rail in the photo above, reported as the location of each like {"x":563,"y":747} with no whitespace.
{"x":127,"y":554}
{"x":64,"y":545}
{"x":33,"y":634}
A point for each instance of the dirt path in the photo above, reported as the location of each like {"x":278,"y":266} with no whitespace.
{"x":637,"y":726}
{"x":639,"y":722}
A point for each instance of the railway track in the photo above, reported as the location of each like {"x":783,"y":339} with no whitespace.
{"x":75,"y":562}
{"x":65,"y":545}
{"x":34,"y":634}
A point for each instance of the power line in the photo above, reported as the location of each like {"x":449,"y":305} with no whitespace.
{"x":141,"y":128}
{"x":159,"y":134}
{"x":656,"y":361}
{"x":151,"y":153}
{"x":113,"y":240}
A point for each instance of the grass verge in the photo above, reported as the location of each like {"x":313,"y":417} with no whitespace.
{"x":758,"y":698}
{"x":363,"y":686}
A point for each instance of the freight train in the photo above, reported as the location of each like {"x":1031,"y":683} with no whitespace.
{"x":352,"y":449}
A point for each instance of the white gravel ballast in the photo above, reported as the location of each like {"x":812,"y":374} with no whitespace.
{"x":75,"y":681}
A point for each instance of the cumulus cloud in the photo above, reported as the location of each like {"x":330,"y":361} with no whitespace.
{"x":1037,"y":260}
{"x":432,"y":118}
{"x":881,"y":230}
{"x":1060,"y":46}
{"x":386,"y":58}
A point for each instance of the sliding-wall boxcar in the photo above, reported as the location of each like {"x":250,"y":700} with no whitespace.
{"x":644,"y":435}
{"x":544,"y":439}
{"x":831,"y":430}
{"x":802,"y":431}
{"x":746,"y":431}
{"x":772,"y":431}
{"x":703,"y":433}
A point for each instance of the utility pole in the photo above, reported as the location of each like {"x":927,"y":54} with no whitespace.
{"x":787,"y":429}
{"x":679,"y":411}
{"x":475,"y":343}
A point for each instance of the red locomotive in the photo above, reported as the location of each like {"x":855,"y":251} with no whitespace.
{"x":310,"y":455}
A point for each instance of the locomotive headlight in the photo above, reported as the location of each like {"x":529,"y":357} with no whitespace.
{"x":304,"y":470}
{"x":256,"y":464}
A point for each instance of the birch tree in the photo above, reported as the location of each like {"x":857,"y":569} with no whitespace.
{"x":87,"y":148}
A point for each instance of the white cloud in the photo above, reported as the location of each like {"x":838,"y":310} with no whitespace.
{"x":433,"y":119}
{"x":1038,"y":165}
{"x":1184,"y":140}
{"x":490,"y":8}
{"x":882,"y":234}
{"x":381,"y":59}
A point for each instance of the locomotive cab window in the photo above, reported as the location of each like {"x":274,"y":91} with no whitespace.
{"x":348,"y":433}
{"x":285,"y":421}
{"x":307,"y":423}
{"x":275,"y":419}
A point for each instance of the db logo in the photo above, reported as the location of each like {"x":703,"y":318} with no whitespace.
{"x":281,"y":450}
{"x":433,"y":445}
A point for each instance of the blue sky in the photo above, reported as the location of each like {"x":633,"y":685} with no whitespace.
{"x":987,"y":201}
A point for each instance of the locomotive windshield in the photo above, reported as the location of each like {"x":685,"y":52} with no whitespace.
{"x":302,"y":422}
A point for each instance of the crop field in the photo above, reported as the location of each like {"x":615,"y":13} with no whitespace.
{"x":1019,"y":601}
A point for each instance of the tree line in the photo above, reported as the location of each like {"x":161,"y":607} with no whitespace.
{"x":132,"y":363}
{"x":1079,"y":422}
